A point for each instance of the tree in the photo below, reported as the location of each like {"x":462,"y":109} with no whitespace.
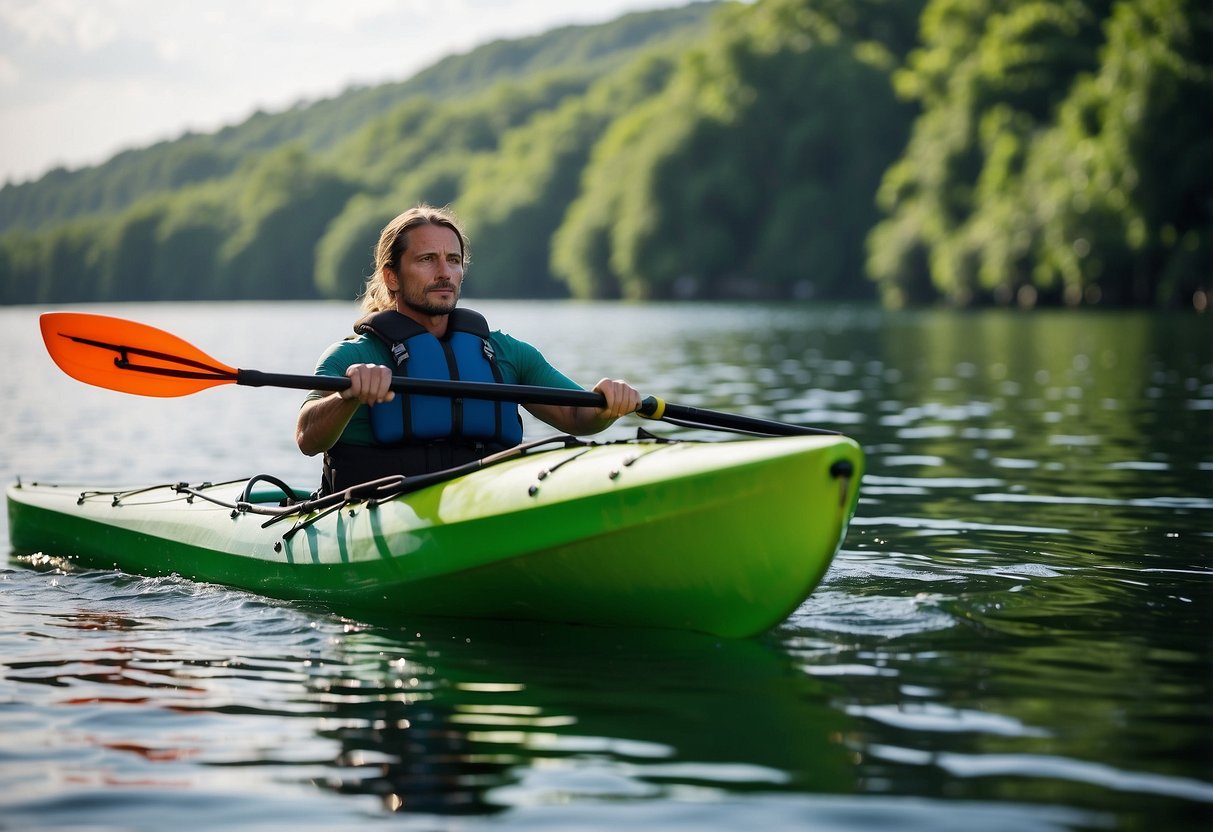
{"x":345,"y":256}
{"x":191,"y":232}
{"x":128,"y":268}
{"x":753,"y":173}
{"x":515,"y":199}
{"x":1122,"y":184}
{"x":1061,"y":159}
{"x":286,"y":204}
{"x":989,"y":75}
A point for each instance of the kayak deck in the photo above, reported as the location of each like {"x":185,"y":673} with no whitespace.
{"x":724,"y":537}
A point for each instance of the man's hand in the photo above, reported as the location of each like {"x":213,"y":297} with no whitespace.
{"x":369,"y":384}
{"x":621,"y":398}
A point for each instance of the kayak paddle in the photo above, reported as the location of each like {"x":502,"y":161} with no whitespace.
{"x":131,"y":357}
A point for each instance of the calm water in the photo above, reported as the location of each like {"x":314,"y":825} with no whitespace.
{"x":1017,"y":634}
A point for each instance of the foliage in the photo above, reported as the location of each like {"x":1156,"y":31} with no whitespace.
{"x":515,"y":199}
{"x":975,"y":151}
{"x":62,"y":195}
{"x":285,"y":207}
{"x":751,"y":174}
{"x":1063,"y":159}
{"x":345,"y":255}
{"x":1122,"y":184}
{"x":424,"y":151}
{"x":191,"y":232}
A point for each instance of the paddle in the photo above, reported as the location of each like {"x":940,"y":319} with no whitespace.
{"x":131,"y":357}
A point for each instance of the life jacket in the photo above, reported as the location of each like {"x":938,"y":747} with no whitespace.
{"x":417,"y":434}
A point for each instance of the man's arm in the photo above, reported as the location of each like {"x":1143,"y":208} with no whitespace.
{"x":621,"y":399}
{"x":524,"y":364}
{"x":321,"y":421}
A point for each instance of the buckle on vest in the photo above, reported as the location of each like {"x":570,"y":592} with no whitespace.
{"x":401,"y":353}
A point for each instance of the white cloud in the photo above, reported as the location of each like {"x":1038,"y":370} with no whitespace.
{"x":82,"y":79}
{"x":9,"y":75}
{"x":61,"y":23}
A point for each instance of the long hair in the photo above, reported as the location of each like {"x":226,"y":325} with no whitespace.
{"x":394,"y":241}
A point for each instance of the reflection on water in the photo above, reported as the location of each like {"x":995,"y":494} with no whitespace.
{"x":461,"y":718}
{"x":477,"y":717}
{"x":1016,"y":634}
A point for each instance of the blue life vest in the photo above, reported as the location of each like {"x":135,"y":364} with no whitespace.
{"x":463,"y":354}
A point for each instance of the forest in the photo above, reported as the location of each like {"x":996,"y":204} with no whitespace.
{"x":910,"y":152}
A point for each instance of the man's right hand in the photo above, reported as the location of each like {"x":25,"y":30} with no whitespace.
{"x":369,"y":384}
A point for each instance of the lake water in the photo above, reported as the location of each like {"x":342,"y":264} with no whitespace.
{"x":1016,"y":635}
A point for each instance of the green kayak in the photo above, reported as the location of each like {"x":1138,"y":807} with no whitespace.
{"x":726,"y":538}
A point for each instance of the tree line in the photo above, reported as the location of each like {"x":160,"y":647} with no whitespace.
{"x":967,"y":151}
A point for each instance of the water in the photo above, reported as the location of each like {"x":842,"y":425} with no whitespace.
{"x":1015,"y":636}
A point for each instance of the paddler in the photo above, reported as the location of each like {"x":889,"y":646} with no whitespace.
{"x":412,"y":325}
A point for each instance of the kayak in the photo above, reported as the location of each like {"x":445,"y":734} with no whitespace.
{"x":727,"y":538}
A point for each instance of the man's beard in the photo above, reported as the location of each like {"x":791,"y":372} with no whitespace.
{"x":429,"y":307}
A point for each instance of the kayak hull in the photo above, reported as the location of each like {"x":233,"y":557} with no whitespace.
{"x":726,"y":538}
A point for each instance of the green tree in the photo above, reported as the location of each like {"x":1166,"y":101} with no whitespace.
{"x":22,"y":278}
{"x":128,"y":274}
{"x":191,"y":232}
{"x":287,"y":201}
{"x":345,"y":256}
{"x":1122,"y":186}
{"x":988,"y":76}
{"x":409,"y":137}
{"x":515,"y":199}
{"x":72,"y":267}
{"x":752,"y":174}
{"x":164,"y":168}
{"x":1060,"y":159}
{"x":582,"y":245}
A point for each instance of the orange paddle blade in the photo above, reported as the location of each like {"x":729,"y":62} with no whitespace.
{"x":129,"y":357}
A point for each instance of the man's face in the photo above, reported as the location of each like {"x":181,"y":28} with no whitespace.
{"x":430,"y":272}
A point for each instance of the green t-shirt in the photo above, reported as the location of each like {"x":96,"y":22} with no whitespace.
{"x":519,"y":362}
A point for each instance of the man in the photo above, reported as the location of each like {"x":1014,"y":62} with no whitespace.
{"x":412,"y":325}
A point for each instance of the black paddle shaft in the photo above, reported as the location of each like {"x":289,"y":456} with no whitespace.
{"x":651,"y":407}
{"x":490,"y":391}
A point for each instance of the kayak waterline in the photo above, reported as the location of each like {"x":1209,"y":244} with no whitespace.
{"x":726,"y":538}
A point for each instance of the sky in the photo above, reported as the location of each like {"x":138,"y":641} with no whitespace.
{"x":81,"y":80}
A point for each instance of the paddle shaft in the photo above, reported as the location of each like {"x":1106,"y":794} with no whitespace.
{"x":490,"y":391}
{"x":651,"y":407}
